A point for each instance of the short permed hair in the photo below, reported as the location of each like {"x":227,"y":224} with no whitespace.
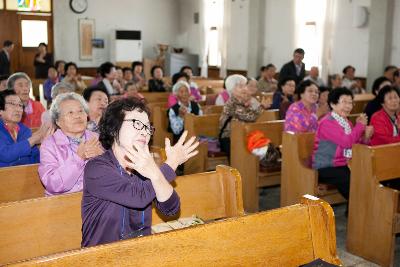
{"x":55,"y":110}
{"x":105,"y":68}
{"x":3,"y":96}
{"x":334,"y":95}
{"x":18,"y":75}
{"x":384,"y":91}
{"x":302,"y":87}
{"x":111,"y":122}
{"x":87,"y":93}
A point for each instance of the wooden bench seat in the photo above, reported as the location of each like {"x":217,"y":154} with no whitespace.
{"x":360,"y":102}
{"x":298,"y":178}
{"x":249,"y":164}
{"x":160,"y":123}
{"x":289,"y":236}
{"x":47,"y":225}
{"x":152,"y":97}
{"x":374,"y":209}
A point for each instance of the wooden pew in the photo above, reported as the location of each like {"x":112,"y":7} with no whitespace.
{"x":152,"y":105}
{"x":23,"y":182}
{"x":360,"y":102}
{"x":212,"y":109}
{"x":374,"y":212}
{"x":155,"y":96}
{"x":206,"y":125}
{"x":248,"y":164}
{"x":160,"y":122}
{"x":298,"y":178}
{"x":289,"y":236}
{"x":209,"y":86}
{"x":47,"y":225}
{"x":19,"y":183}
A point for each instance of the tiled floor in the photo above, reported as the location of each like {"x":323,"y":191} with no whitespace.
{"x":269,"y":199}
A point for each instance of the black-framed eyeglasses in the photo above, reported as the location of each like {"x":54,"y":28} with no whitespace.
{"x":138,"y":125}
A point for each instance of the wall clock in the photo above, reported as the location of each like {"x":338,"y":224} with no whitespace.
{"x":78,"y":6}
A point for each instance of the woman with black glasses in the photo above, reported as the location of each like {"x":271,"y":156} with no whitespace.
{"x":121,"y":185}
{"x":17,"y":144}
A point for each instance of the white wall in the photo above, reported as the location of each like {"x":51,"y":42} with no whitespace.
{"x":279,"y":39}
{"x":395,"y":51}
{"x":157,"y":19}
{"x":189,"y":32}
{"x":350,"y":44}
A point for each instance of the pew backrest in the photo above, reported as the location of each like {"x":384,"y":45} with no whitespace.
{"x":20,"y":182}
{"x":289,"y":236}
{"x":205,"y":125}
{"x":47,"y":225}
{"x":155,"y":96}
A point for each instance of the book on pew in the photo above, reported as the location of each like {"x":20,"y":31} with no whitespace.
{"x":176,"y":224}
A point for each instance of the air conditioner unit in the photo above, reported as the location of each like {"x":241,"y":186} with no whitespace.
{"x":126,"y":46}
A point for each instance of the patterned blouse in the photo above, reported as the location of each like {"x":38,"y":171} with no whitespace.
{"x":299,"y":119}
{"x":237,"y":110}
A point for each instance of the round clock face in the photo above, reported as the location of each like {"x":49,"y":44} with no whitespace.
{"x":78,"y":6}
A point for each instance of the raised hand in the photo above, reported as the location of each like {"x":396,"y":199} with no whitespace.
{"x":93,"y":148}
{"x":180,"y":152}
{"x":369,"y":131}
{"x":143,"y":162}
{"x":363,"y":119}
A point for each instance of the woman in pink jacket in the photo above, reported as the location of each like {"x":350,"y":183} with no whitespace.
{"x":64,"y":154}
{"x":334,"y":138}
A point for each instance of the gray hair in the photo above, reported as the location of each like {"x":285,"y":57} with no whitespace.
{"x":55,"y":106}
{"x":178,"y":85}
{"x":18,"y":75}
{"x":232,"y":81}
{"x":55,"y":90}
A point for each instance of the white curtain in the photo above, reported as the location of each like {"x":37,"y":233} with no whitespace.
{"x":223,"y":35}
{"x":204,"y":29}
{"x":327,"y":40}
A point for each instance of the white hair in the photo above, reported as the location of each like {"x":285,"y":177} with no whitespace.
{"x":55,"y":90}
{"x":18,"y":75}
{"x":55,"y":106}
{"x":234,"y":80}
{"x":178,"y":85}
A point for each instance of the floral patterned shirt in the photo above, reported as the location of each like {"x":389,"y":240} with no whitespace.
{"x":300,"y":119}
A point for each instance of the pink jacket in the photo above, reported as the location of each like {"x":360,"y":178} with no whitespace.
{"x":60,"y":168}
{"x":331,"y":143}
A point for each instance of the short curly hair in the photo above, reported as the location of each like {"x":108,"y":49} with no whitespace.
{"x":384,"y":91}
{"x":111,"y":122}
{"x":334,"y":95}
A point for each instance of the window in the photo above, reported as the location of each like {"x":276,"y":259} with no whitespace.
{"x":310,"y":15}
{"x":1,"y":4}
{"x":34,"y":32}
{"x":29,"y":5}
{"x":214,"y":20}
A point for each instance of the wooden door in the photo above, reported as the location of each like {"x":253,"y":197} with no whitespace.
{"x":26,"y":55}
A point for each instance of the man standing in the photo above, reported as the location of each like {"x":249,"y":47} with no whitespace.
{"x":8,"y":47}
{"x":295,"y":68}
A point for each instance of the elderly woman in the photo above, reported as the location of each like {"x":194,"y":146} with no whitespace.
{"x":121,"y":185}
{"x":283,"y":96}
{"x":138,"y":75}
{"x":223,"y":96}
{"x":73,"y":78}
{"x":334,"y":138}
{"x":302,"y":116}
{"x":57,"y":89}
{"x":17,"y":144}
{"x":323,"y":107}
{"x":386,"y":121}
{"x":156,"y":83}
{"x":240,"y":106}
{"x":64,"y":155}
{"x":21,"y":84}
{"x":194,"y":88}
{"x":176,"y":113}
{"x":97,"y":99}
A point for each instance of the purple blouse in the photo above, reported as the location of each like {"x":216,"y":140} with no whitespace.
{"x":116,"y":205}
{"x":300,"y":119}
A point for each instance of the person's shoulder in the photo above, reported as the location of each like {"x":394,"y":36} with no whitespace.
{"x":102,"y":161}
{"x":37,"y":105}
{"x":378,"y":115}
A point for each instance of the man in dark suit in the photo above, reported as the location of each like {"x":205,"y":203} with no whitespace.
{"x":8,"y":47}
{"x":294,"y":68}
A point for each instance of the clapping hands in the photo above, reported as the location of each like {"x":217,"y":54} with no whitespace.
{"x":181,"y":151}
{"x":90,"y":149}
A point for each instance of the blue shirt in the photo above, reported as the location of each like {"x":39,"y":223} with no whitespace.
{"x":19,"y":152}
